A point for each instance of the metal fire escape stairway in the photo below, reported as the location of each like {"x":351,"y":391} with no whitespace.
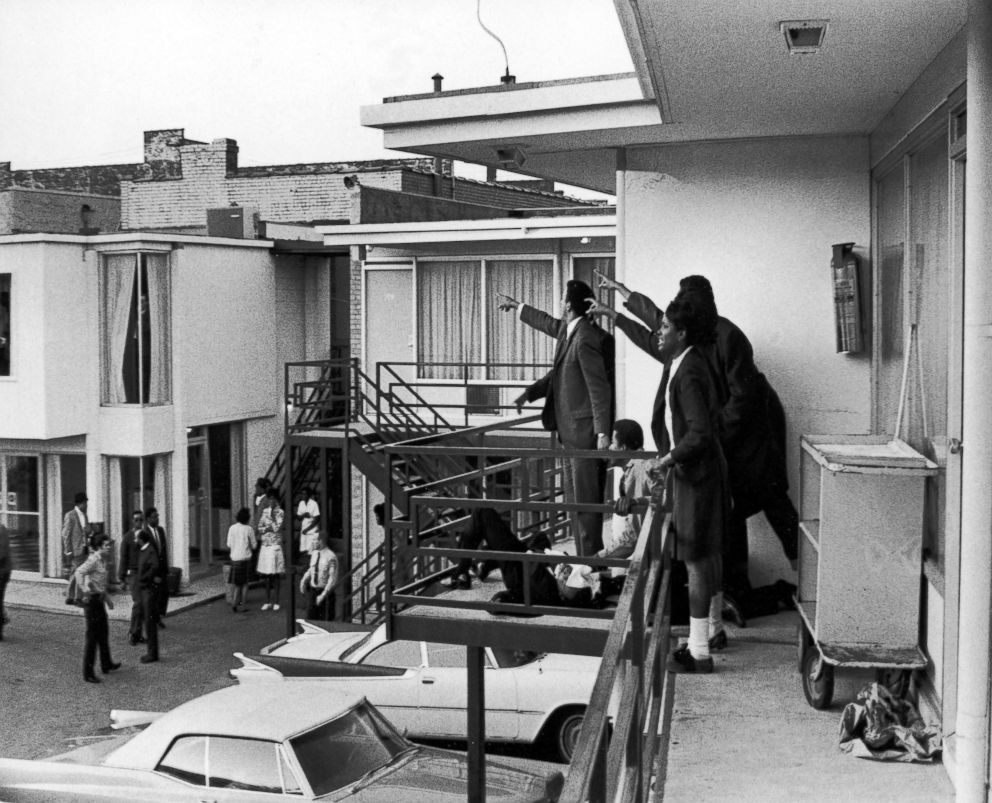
{"x":373,"y":416}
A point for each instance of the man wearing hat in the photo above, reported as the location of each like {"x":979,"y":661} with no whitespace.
{"x":76,"y":531}
{"x":578,"y":398}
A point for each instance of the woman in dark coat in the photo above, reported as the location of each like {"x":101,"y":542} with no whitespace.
{"x":684,"y":427}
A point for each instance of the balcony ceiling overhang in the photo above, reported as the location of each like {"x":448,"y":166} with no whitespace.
{"x":536,"y":228}
{"x":704,"y":70}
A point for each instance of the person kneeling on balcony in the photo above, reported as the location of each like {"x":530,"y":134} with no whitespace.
{"x":636,"y":487}
{"x":683,"y":423}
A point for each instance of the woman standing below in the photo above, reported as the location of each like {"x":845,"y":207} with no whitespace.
{"x":271,"y":561}
{"x":241,"y":542}
{"x":320,"y":579}
{"x":683,"y":419}
{"x":91,"y":578}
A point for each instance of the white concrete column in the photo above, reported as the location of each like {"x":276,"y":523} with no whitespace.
{"x":620,"y":274}
{"x":179,"y":504}
{"x":972,"y":741}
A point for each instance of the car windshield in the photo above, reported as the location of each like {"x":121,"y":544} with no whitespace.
{"x":508,"y":659}
{"x":346,"y":749}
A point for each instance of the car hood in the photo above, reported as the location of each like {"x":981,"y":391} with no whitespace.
{"x":441,"y":775}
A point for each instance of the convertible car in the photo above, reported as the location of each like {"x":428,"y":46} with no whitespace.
{"x":295,"y":742}
{"x":423,"y":687}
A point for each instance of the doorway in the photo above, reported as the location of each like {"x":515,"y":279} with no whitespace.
{"x":216,"y":487}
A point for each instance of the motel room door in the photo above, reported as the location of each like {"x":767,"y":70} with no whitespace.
{"x":389,"y":318}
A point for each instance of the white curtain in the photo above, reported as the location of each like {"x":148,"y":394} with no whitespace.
{"x":449,"y":324}
{"x":114,"y":523}
{"x":157,"y":287}
{"x":162,"y":500}
{"x":53,"y":515}
{"x":118,"y":293}
{"x":510,"y":341}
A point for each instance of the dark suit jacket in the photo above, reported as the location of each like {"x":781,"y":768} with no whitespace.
{"x":163,"y":551}
{"x":753,"y":448}
{"x":148,"y":568}
{"x":577,"y":390}
{"x":700,"y":496}
{"x":129,"y":554}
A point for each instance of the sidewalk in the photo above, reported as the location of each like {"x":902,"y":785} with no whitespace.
{"x":746,"y":733}
{"x":49,"y":596}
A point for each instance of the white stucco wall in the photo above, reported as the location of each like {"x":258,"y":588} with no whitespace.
{"x":54,"y":378}
{"x":758,"y":219}
{"x":224,"y":333}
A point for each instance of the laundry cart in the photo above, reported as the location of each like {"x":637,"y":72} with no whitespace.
{"x":860,"y":558}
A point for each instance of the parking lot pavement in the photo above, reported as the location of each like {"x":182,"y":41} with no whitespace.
{"x":46,"y":708}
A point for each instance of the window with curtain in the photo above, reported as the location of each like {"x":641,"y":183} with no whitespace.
{"x":914,"y":311}
{"x":449,"y":307}
{"x":5,"y":324}
{"x":20,"y":509}
{"x":137,"y":336}
{"x":509,"y":340}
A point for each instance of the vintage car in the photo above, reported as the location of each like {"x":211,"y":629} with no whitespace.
{"x":423,"y":687}
{"x":297,"y":741}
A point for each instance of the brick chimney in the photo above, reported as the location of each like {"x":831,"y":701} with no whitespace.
{"x":162,"y":155}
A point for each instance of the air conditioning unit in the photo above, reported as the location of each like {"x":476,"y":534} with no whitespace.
{"x":240,"y":222}
{"x":482,"y":399}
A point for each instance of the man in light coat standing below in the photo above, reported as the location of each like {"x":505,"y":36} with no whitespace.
{"x":76,"y":531}
{"x":578,"y":399}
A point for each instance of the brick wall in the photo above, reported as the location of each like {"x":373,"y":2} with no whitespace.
{"x":26,"y":211}
{"x":478,"y":192}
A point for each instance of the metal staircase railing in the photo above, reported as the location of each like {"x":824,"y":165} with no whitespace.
{"x":374,"y":414}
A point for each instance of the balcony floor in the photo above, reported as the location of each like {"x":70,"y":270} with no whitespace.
{"x":746,"y":733}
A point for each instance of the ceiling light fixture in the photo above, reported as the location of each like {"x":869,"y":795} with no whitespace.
{"x":803,"y":36}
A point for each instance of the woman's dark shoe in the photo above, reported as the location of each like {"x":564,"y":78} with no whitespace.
{"x":110,"y":667}
{"x":698,"y":666}
{"x":719,"y":641}
{"x":91,"y":678}
{"x":148,"y":659}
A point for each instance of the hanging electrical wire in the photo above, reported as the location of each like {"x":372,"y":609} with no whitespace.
{"x":507,"y":78}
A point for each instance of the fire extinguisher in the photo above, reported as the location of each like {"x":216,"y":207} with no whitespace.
{"x":847,"y":298}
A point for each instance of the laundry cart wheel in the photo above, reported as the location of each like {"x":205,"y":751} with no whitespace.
{"x":818,"y":679}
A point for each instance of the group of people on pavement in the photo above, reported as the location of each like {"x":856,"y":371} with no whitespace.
{"x":258,"y":536}
{"x":142,"y":568}
{"x":717,"y":423}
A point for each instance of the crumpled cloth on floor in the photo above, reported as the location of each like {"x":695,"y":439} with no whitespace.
{"x":884,"y":727}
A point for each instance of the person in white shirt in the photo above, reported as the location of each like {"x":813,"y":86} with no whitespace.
{"x":308,"y":512}
{"x":318,"y":582}
{"x":241,"y":542}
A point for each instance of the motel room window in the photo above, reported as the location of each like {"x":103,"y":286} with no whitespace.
{"x":5,"y":324}
{"x":137,"y":338}
{"x":20,"y":509}
{"x":458,"y":321}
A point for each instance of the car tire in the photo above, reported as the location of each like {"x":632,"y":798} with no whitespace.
{"x":563,"y":732}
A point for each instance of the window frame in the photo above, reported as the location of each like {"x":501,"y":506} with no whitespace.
{"x":9,"y":276}
{"x":555,"y":258}
{"x":140,"y":253}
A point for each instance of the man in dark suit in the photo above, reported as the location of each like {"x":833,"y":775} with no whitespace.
{"x":149,"y":580}
{"x":158,"y":540}
{"x":578,"y":395}
{"x":128,"y":574}
{"x":751,"y":428}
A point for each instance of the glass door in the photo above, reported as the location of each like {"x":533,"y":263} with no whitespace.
{"x":198,"y":494}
